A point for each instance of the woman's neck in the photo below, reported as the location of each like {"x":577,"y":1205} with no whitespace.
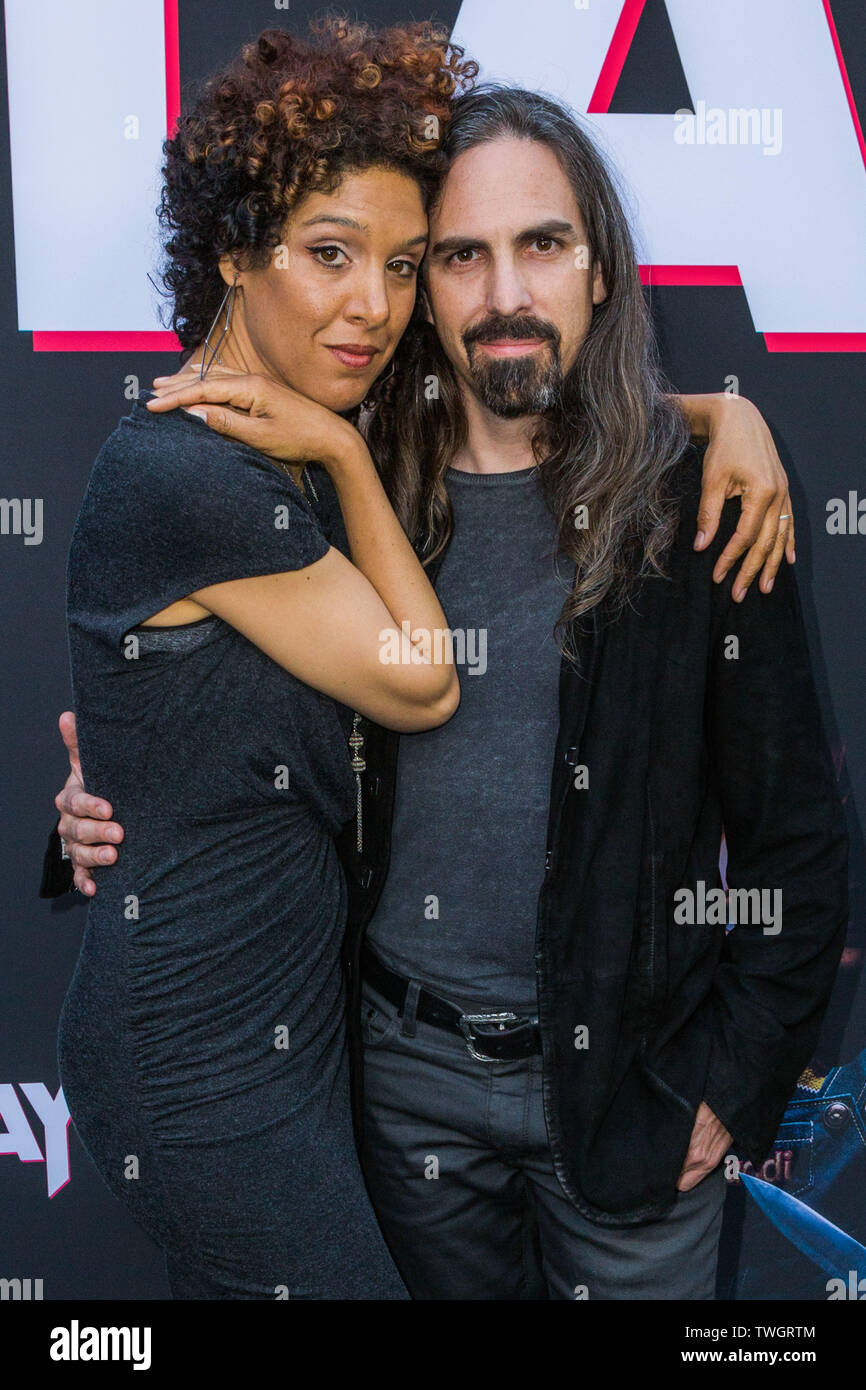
{"x":230,"y":359}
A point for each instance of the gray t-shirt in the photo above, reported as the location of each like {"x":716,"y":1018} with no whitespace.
{"x":459,"y":906}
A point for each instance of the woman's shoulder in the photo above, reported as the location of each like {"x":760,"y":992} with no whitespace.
{"x":172,"y":507}
{"x":177,"y":446}
{"x":157,"y":466}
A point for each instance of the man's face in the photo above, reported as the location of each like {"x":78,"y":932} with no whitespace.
{"x":508,"y":287}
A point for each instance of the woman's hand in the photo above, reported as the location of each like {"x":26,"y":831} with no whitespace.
{"x":262,"y":413}
{"x":741,"y":461}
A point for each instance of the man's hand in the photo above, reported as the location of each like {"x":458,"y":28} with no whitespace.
{"x":741,"y":461}
{"x":708,"y":1145}
{"x":85,"y":821}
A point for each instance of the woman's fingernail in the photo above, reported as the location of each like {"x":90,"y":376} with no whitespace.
{"x":699,"y":540}
{"x":195,"y":410}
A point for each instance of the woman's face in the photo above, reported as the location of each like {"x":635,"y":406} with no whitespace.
{"x":326,"y":313}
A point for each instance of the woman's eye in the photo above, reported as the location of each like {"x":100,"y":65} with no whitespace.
{"x":403,"y":268}
{"x":329,"y":255}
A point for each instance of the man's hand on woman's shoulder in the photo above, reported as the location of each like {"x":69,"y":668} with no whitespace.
{"x":741,"y":460}
{"x":85,"y":825}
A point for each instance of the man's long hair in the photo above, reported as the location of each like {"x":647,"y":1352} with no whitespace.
{"x":614,"y":435}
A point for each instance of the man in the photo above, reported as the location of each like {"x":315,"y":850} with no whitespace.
{"x":556,"y":1055}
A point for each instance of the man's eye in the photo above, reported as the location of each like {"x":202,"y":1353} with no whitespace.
{"x":464,"y":256}
{"x":546,"y":244}
{"x":328,"y":255}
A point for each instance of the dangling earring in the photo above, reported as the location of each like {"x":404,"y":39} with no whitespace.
{"x":230,"y":297}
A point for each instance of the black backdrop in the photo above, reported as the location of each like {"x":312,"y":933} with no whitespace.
{"x":56,"y":410}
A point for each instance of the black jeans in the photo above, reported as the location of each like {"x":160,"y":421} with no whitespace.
{"x":458,"y":1166}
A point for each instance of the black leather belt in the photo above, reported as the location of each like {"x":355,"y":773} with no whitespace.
{"x":490,"y":1037}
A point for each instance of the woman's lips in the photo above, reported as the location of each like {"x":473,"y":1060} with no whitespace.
{"x":353,"y":355}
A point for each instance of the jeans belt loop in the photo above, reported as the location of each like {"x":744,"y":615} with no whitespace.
{"x":410,"y":1007}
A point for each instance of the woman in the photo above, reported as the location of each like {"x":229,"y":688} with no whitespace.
{"x":213,"y":630}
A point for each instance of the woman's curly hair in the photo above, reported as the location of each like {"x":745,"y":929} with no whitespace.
{"x":288,"y":117}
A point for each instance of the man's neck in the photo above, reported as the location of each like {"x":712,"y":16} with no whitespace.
{"x":494,"y":445}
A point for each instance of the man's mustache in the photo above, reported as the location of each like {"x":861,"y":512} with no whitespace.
{"x":496,"y":329}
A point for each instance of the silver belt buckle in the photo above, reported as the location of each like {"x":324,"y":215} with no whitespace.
{"x":465,"y":1023}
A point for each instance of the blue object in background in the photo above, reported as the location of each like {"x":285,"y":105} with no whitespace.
{"x":819,"y":1158}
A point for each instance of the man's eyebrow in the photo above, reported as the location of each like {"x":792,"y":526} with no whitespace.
{"x":450,"y":244}
{"x":419,"y":240}
{"x":551,"y":227}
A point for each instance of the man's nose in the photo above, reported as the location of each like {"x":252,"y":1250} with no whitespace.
{"x":507,"y":290}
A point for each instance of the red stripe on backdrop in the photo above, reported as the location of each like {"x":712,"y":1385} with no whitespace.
{"x":815,"y":342}
{"x":611,"y":68}
{"x":172,"y":65}
{"x":845,"y":83}
{"x":146,"y":341}
{"x":690,"y":275}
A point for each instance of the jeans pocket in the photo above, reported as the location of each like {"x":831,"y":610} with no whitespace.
{"x":380,"y":1021}
{"x":790,"y":1165}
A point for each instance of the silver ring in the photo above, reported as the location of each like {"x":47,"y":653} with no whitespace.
{"x":786,"y":516}
{"x":64,"y":853}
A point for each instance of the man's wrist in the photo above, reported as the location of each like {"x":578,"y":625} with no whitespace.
{"x":701,"y":412}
